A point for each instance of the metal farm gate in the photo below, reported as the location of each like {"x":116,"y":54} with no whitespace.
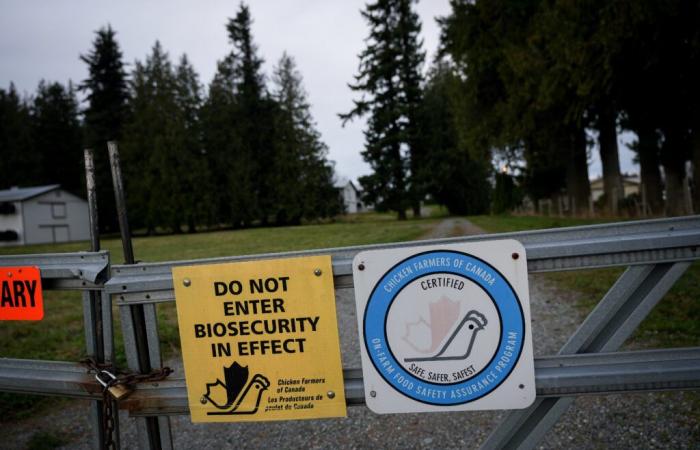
{"x":655,"y":252}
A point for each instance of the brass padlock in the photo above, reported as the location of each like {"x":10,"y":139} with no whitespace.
{"x":117,"y":391}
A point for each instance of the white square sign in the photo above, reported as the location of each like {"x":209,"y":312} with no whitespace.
{"x":445,"y":327}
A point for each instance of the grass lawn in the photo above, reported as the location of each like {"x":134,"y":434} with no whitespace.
{"x":675,"y":322}
{"x":504,"y":223}
{"x":60,"y":335}
{"x":355,"y":230}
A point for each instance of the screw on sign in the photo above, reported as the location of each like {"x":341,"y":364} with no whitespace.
{"x":20,"y":294}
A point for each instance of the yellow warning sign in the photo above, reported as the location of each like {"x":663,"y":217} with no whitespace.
{"x":260,"y":340}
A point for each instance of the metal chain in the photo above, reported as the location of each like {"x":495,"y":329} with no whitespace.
{"x":127,"y":377}
{"x":108,"y":402}
{"x":108,"y":421}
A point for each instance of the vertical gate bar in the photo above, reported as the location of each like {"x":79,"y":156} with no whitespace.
{"x":93,"y":311}
{"x":151,"y":319}
{"x":89,"y":325}
{"x":128,"y":337}
{"x":166,"y":436}
{"x":98,"y":438}
{"x":120,"y":201}
{"x":108,"y":334}
{"x":92,"y":305}
{"x":91,"y":187}
{"x":138,"y":329}
{"x":154,"y":354}
{"x":107,"y":327}
{"x":606,"y":328}
{"x":132,"y":360}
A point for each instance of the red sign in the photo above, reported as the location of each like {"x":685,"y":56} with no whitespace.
{"x":20,"y":293}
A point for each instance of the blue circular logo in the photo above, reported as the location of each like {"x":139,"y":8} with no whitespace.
{"x":444,"y":327}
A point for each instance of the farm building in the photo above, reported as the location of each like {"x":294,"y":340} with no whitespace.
{"x":42,"y":214}
{"x":630,"y":183}
{"x":350,"y":194}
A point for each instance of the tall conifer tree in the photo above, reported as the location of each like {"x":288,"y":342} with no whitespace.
{"x":57,"y":136}
{"x":197,"y":186}
{"x":221,"y":140}
{"x":303,"y":183}
{"x":453,"y":176}
{"x":389,"y":80}
{"x":255,"y":118}
{"x":20,"y":164}
{"x":239,"y":129}
{"x":107,"y":95}
{"x":160,"y":148}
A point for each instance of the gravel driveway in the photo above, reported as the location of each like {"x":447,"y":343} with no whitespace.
{"x":660,"y":420}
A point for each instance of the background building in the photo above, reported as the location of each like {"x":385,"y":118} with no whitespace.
{"x":42,"y":214}
{"x":630,"y":184}
{"x":351,"y":196}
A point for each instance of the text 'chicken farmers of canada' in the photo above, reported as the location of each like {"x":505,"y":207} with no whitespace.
{"x":445,"y":327}
{"x":269,"y":300}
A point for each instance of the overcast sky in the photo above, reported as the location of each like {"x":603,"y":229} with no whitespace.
{"x":43,"y":40}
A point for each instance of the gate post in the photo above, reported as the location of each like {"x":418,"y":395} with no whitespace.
{"x":138,"y":321}
{"x":97,"y":312}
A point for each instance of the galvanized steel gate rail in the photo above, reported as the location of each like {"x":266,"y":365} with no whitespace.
{"x":655,"y":252}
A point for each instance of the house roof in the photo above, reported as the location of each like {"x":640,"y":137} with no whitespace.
{"x":16,"y":194}
{"x":628,"y":180}
{"x":342,"y":182}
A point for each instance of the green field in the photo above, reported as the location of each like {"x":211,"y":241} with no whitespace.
{"x":504,"y":223}
{"x":60,"y":335}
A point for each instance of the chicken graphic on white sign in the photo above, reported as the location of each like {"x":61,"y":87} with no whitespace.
{"x":457,"y":339}
{"x":445,"y":329}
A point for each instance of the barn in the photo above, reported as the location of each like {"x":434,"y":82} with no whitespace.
{"x":42,"y":214}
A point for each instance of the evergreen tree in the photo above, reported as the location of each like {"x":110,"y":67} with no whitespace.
{"x":160,"y":166}
{"x":505,"y":194}
{"x":20,"y":165}
{"x":517,"y":92}
{"x":57,"y":136}
{"x":255,"y":119}
{"x":292,"y":142}
{"x":476,"y":37}
{"x":221,"y":141}
{"x":451,"y":175}
{"x":411,"y":58}
{"x":303,"y":184}
{"x":198,"y":190}
{"x":581,"y":44}
{"x":389,"y":78}
{"x":238,"y":128}
{"x":106,"y":113}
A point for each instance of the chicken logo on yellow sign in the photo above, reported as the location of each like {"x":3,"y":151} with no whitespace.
{"x":236,"y":394}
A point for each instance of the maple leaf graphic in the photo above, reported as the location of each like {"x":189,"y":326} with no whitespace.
{"x":423,"y":336}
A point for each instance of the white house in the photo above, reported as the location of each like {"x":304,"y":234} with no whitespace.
{"x":351,"y":196}
{"x":42,"y":214}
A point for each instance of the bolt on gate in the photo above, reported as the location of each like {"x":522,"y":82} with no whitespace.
{"x":655,"y":252}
